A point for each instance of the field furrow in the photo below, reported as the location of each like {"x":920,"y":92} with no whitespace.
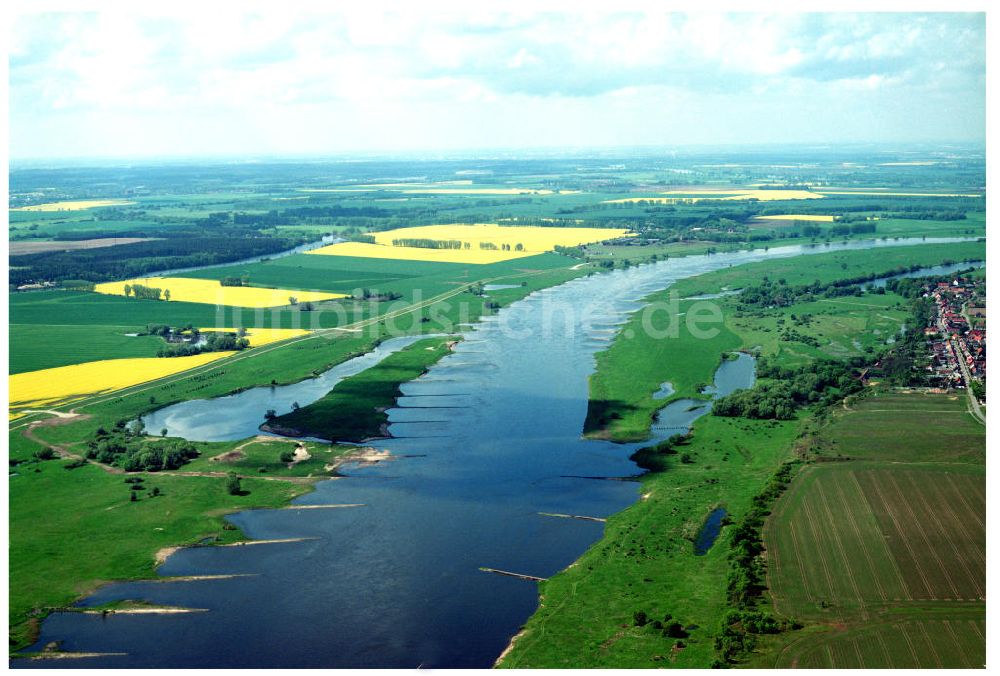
{"x":819,"y":555}
{"x":842,"y":561}
{"x":962,"y":518}
{"x":897,"y":536}
{"x":950,"y":550}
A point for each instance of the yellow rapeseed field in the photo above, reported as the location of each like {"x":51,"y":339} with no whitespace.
{"x":408,"y":188}
{"x":734,"y":194}
{"x":476,"y":191}
{"x":362,"y":187}
{"x":409,"y":253}
{"x":895,"y":194}
{"x":64,"y":384}
{"x":532,"y":241}
{"x":211,"y":291}
{"x":258,"y":337}
{"x":74,"y":205}
{"x":796,"y":217}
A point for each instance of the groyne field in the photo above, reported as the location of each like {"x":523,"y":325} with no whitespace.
{"x":196,"y":286}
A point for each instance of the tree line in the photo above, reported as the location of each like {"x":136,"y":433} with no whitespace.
{"x":140,"y":258}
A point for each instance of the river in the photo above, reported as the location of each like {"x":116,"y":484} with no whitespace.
{"x":931,"y":271}
{"x":487,"y":439}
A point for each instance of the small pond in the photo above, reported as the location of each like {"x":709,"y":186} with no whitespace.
{"x":709,"y":531}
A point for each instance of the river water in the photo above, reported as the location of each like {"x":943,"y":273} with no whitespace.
{"x":932,"y":271}
{"x":491,"y":438}
{"x":238,"y":416}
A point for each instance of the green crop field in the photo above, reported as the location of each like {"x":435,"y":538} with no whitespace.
{"x":850,"y":537}
{"x":910,"y":644}
{"x":948,"y":433}
{"x":312,"y":272}
{"x":883,"y":554}
{"x":82,"y":309}
{"x":43,"y":346}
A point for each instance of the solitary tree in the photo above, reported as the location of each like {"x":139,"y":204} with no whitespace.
{"x":292,"y":300}
{"x":166,"y":294}
{"x":45,"y":453}
{"x":233,"y":484}
{"x":127,"y":290}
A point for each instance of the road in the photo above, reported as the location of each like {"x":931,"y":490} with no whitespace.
{"x":974,"y":408}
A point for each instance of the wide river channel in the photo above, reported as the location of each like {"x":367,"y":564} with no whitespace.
{"x":486,"y":441}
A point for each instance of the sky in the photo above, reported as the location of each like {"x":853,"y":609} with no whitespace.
{"x":218,"y":82}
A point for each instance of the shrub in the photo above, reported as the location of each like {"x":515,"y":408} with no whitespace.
{"x":233,"y":486}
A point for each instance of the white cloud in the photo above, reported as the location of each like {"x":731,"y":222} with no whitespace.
{"x":447,"y":79}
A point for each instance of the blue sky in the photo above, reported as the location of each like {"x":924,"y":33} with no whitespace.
{"x":116,"y":84}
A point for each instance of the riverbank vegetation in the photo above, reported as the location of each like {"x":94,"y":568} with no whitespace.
{"x":64,"y":523}
{"x":742,"y":460}
{"x":354,"y":410}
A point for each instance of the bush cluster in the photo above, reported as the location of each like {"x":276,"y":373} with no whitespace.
{"x":124,"y":447}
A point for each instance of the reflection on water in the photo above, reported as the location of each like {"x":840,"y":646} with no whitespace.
{"x":678,"y":416}
{"x":238,"y":416}
{"x":932,"y":271}
{"x":396,"y":583}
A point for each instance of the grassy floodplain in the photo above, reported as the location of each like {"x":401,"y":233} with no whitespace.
{"x":61,"y":542}
{"x":621,"y":404}
{"x":646,"y":562}
{"x":354,"y":410}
